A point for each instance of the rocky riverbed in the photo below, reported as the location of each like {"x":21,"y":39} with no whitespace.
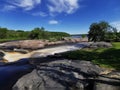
{"x":57,"y":73}
{"x":12,"y":52}
{"x":14,"y":55}
{"x":45,"y":70}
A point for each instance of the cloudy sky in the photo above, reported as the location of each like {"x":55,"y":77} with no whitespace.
{"x":72,"y":16}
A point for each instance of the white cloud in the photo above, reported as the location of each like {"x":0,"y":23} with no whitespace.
{"x":66,"y":6}
{"x":8,"y":7}
{"x":53,"y":22}
{"x":42,"y":14}
{"x":25,"y":4}
{"x":116,"y":24}
{"x":52,"y":7}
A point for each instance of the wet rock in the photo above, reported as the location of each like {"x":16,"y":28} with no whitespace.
{"x":21,"y":51}
{"x":1,"y":56}
{"x":58,"y":75}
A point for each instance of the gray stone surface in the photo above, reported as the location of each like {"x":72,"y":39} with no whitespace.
{"x":1,"y":55}
{"x":58,"y":75}
{"x":110,"y":81}
{"x":100,"y":44}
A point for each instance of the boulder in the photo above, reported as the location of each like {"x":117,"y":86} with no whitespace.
{"x":1,"y":56}
{"x":60,"y":74}
{"x":100,"y":45}
{"x":23,"y":44}
{"x":28,"y":44}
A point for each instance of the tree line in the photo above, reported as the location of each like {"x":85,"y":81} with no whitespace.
{"x":103,"y":31}
{"x":36,"y":33}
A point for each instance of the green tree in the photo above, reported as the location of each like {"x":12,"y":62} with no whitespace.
{"x":34,"y":34}
{"x":3,"y":33}
{"x":98,"y":31}
{"x":83,"y":35}
{"x":37,"y":33}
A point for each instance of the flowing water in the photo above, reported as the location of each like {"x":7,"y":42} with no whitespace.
{"x":14,"y":56}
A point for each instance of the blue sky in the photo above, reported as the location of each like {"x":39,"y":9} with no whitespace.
{"x":72,"y":16}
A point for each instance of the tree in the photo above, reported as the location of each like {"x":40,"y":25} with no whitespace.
{"x":34,"y":34}
{"x":98,"y":31}
{"x":3,"y":33}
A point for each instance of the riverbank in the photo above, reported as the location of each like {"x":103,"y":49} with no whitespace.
{"x":105,"y":57}
{"x":38,"y":44}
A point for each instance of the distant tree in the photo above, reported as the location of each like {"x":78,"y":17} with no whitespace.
{"x":83,"y":35}
{"x":99,"y":31}
{"x":3,"y":33}
{"x":34,"y":34}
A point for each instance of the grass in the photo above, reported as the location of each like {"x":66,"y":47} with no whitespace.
{"x":105,"y":57}
{"x":116,"y":45}
{"x":11,"y":39}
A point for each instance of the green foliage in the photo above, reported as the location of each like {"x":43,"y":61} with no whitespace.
{"x":36,"y":33}
{"x":83,"y":35}
{"x":40,"y":33}
{"x":104,"y":57}
{"x":3,"y":33}
{"x":59,"y":35}
{"x":102,"y":31}
{"x":116,"y":45}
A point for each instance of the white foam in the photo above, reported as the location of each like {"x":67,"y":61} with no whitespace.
{"x":11,"y":57}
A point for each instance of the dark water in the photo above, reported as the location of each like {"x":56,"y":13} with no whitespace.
{"x":11,"y":72}
{"x":79,"y":35}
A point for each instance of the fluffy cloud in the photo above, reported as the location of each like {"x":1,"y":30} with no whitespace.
{"x":116,"y":24}
{"x":53,"y":22}
{"x":25,"y":4}
{"x":66,"y":6}
{"x":52,"y":7}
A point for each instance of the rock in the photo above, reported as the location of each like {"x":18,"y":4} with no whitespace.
{"x":1,"y":56}
{"x":21,"y":51}
{"x":23,"y":44}
{"x":100,"y":45}
{"x":109,"y":81}
{"x":60,"y":74}
{"x":32,"y":44}
{"x":75,"y":40}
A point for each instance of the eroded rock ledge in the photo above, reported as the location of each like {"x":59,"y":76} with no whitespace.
{"x":35,"y":44}
{"x":63,"y":74}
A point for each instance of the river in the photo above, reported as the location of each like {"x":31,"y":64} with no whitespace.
{"x":15,"y":56}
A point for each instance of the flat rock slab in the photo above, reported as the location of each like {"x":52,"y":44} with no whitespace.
{"x":110,"y":81}
{"x":58,"y":75}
